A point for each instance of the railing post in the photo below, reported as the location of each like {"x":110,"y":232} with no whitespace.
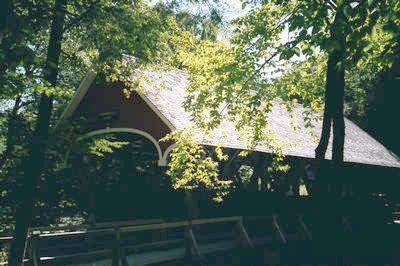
{"x":191,"y":248}
{"x":243,"y":236}
{"x":123,"y":258}
{"x":116,"y":247}
{"x":33,"y":240}
{"x":305,"y":228}
{"x":278,"y":229}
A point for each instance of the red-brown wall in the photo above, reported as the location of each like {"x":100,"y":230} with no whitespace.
{"x":130,"y":112}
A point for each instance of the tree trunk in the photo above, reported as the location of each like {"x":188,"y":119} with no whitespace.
{"x":338,"y":120}
{"x":333,"y":112}
{"x":7,"y":31}
{"x":35,"y":163}
{"x":320,"y":151}
{"x":334,"y":93}
{"x":260,"y":163}
{"x":338,"y":95}
{"x":6,"y":17}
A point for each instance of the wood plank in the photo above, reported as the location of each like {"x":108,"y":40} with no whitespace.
{"x":34,"y":248}
{"x":243,"y":236}
{"x":191,"y":244}
{"x":124,"y":260}
{"x":128,"y":223}
{"x":216,"y":220}
{"x":116,"y":247}
{"x":118,"y":252}
{"x":278,"y":229}
{"x":154,"y":226}
{"x":305,"y":228}
{"x":6,"y":238}
{"x":145,"y":227}
{"x":136,"y":248}
{"x":84,"y":227}
{"x":77,"y":256}
{"x":178,"y":224}
{"x":76,"y":233}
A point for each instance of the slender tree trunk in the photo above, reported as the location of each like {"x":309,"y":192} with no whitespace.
{"x":334,"y":93}
{"x":338,"y":96}
{"x":35,"y":163}
{"x":320,"y":151}
{"x":338,"y":120}
{"x":6,"y":30}
{"x":6,"y":17}
{"x":333,"y":112}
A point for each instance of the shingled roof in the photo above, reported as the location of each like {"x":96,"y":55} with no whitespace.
{"x":166,"y":91}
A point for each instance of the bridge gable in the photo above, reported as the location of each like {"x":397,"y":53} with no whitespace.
{"x":132,"y":114}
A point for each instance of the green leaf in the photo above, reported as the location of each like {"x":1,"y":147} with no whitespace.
{"x":390,"y":28}
{"x":347,"y":11}
{"x":296,"y":51}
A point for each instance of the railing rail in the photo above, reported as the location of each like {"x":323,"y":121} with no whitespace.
{"x":117,"y":250}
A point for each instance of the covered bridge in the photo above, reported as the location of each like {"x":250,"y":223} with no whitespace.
{"x":157,"y":110}
{"x":328,"y":232}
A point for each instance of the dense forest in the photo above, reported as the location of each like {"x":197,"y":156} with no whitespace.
{"x":337,"y":58}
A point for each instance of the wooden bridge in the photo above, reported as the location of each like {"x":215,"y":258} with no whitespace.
{"x":276,"y":237}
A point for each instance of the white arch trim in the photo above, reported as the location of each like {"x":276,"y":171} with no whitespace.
{"x":164,"y":159}
{"x":129,"y":130}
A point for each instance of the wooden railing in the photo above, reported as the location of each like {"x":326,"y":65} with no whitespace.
{"x":121,"y":252}
{"x":117,"y":251}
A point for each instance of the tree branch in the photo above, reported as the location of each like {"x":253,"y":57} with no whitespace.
{"x":78,"y":18}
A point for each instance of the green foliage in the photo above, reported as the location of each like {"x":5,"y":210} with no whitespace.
{"x":191,"y":167}
{"x":45,"y":88}
{"x":203,"y":25}
{"x":236,"y":80}
{"x":101,"y":147}
{"x":96,"y":34}
{"x":239,"y":80}
{"x":245,"y":173}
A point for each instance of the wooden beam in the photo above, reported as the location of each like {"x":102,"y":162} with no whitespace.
{"x":34,"y":250}
{"x":192,"y":250}
{"x":178,"y":224}
{"x":305,"y":228}
{"x":149,"y":227}
{"x":123,"y":258}
{"x":117,"y":252}
{"x":216,"y":220}
{"x":6,"y":238}
{"x":278,"y":229}
{"x":116,"y":247}
{"x":85,"y":227}
{"x":106,"y":253}
{"x":76,"y":233}
{"x":243,"y":236}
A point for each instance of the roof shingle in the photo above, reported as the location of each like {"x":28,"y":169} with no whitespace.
{"x":166,"y":90}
